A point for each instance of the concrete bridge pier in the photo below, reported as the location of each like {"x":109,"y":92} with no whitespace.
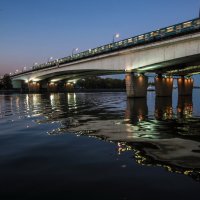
{"x":69,"y":87}
{"x":34,"y":87}
{"x":17,"y":84}
{"x":61,"y":86}
{"x":52,"y":87}
{"x":185,"y":86}
{"x":23,"y":86}
{"x":163,"y":86}
{"x":136,"y":85}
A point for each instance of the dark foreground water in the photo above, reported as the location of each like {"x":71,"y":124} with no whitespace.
{"x":99,"y":146}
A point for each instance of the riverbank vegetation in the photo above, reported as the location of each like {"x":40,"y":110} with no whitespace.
{"x":95,"y":82}
{"x":6,"y":83}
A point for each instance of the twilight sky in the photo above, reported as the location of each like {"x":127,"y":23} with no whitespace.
{"x":34,"y":30}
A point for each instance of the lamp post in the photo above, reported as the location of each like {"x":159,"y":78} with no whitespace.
{"x":34,"y":65}
{"x":115,"y":36}
{"x":74,"y":50}
{"x":50,"y":58}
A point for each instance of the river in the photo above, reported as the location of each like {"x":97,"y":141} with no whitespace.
{"x":99,"y":146}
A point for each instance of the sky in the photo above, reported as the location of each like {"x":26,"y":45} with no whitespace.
{"x":35,"y":30}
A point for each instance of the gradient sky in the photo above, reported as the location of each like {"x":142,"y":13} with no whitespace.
{"x":34,"y":30}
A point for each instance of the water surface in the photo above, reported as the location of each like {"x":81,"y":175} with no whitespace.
{"x":99,"y":146}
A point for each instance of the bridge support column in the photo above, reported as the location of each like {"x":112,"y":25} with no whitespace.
{"x":163,"y":86}
{"x":136,"y":85}
{"x":34,"y":87}
{"x":185,"y":86}
{"x":17,"y":84}
{"x":69,"y":87}
{"x":52,"y":87}
{"x":20,"y":85}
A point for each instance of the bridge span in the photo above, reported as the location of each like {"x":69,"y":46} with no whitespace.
{"x":167,"y":52}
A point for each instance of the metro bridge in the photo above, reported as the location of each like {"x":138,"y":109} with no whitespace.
{"x":167,"y":52}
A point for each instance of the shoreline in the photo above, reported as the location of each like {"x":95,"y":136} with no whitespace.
{"x":18,"y":91}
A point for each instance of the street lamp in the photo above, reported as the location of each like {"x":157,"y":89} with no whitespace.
{"x":74,"y":50}
{"x":34,"y":65}
{"x":50,"y":58}
{"x":115,"y":36}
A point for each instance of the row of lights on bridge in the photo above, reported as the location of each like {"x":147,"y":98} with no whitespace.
{"x":74,"y":50}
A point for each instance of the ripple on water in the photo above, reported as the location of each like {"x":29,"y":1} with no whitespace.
{"x":160,"y":135}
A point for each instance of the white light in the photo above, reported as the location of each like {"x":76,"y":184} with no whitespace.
{"x":50,"y":58}
{"x":117,"y":35}
{"x":75,"y":49}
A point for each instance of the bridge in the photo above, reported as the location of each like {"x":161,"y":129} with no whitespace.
{"x":167,"y":52}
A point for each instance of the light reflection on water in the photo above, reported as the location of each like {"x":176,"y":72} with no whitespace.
{"x":160,"y":131}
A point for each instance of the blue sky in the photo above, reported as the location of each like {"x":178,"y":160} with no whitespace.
{"x":34,"y":30}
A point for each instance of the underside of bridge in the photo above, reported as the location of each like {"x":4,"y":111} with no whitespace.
{"x":60,"y":81}
{"x":186,"y":66}
{"x":136,"y":79}
{"x":136,"y":82}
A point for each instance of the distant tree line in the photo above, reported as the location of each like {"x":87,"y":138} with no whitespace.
{"x":95,"y":82}
{"x":6,"y":83}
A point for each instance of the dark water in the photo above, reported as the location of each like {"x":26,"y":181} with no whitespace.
{"x":99,"y":146}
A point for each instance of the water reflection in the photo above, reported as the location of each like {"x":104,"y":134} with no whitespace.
{"x":185,"y":107}
{"x":175,"y":153}
{"x":170,"y":139}
{"x":136,"y":110}
{"x":163,"y":108}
